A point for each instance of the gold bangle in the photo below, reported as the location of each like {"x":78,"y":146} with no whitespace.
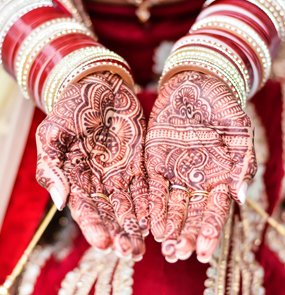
{"x":8,"y":16}
{"x":37,"y":40}
{"x":207,"y":61}
{"x":70,"y":64}
{"x":100,"y":195}
{"x":217,"y":45}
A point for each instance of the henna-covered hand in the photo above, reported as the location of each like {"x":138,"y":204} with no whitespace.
{"x":198,"y":138}
{"x":89,"y":146}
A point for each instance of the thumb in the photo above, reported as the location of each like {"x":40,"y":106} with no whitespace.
{"x":50,"y":151}
{"x":242,"y":173}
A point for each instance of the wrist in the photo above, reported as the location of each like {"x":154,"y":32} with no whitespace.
{"x":234,"y":41}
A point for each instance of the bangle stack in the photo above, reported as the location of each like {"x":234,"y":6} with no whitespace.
{"x":46,"y":49}
{"x":233,"y":40}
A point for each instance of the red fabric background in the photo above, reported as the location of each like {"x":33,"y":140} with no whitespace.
{"x":26,"y":207}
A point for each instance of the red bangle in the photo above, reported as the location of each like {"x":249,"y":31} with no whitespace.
{"x":50,"y":56}
{"x":21,"y":29}
{"x":231,"y":44}
{"x":239,"y":43}
{"x":260,"y":14}
{"x":270,"y":42}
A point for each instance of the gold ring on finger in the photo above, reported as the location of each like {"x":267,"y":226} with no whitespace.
{"x":199,"y":193}
{"x":100,"y":195}
{"x":177,"y":186}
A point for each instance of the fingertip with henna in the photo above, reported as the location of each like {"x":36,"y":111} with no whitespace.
{"x":184,"y":248}
{"x":168,"y":250}
{"x":204,"y":259}
{"x":205,"y":248}
{"x":158,"y":234}
{"x":97,"y":238}
{"x":122,"y":245}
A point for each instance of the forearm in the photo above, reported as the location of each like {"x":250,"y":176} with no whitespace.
{"x":46,"y":46}
{"x":234,"y":40}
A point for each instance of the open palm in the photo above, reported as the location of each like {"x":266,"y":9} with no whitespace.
{"x":90,"y":150}
{"x":198,"y":139}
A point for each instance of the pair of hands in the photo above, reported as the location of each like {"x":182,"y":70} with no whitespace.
{"x":93,"y":145}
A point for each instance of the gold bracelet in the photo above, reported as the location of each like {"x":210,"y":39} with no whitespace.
{"x":204,"y":54}
{"x":246,"y":33}
{"x":207,"y":61}
{"x":72,"y":67}
{"x":8,"y":16}
{"x":37,"y":40}
{"x":88,"y":65}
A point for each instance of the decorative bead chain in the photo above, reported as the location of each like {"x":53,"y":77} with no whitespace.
{"x":8,"y":16}
{"x":245,"y":32}
{"x":217,"y":45}
{"x":93,"y":266}
{"x":71,"y":63}
{"x":123,"y":281}
{"x":275,"y":9}
{"x":209,"y":61}
{"x":103,"y":283}
{"x":37,"y":40}
{"x":33,"y":269}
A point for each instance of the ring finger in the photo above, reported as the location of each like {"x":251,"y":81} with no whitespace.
{"x":186,"y":242}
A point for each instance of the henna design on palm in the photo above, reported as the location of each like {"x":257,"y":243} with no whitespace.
{"x":199,"y":138}
{"x":92,"y":142}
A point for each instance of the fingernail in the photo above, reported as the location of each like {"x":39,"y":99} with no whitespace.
{"x":98,"y":238}
{"x":122,"y":245}
{"x":242,"y":192}
{"x":138,"y":258}
{"x":183,"y":256}
{"x":159,"y":239}
{"x":158,"y":234}
{"x":203,"y":259}
{"x":205,"y":248}
{"x":56,"y":197}
{"x":104,"y":251}
{"x":171,"y":259}
{"x":184,"y":248}
{"x":168,"y":249}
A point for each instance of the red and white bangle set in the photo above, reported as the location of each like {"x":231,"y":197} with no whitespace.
{"x":45,"y":48}
{"x":234,"y":40}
